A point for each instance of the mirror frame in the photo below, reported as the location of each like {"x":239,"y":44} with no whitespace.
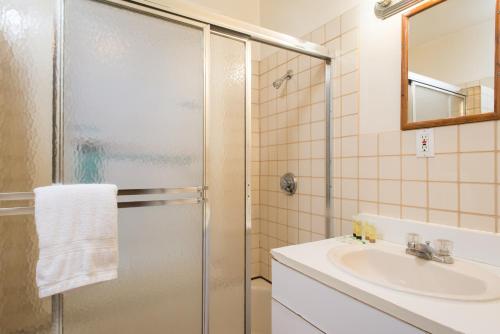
{"x":404,"y":76}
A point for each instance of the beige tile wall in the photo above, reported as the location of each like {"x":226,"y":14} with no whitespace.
{"x":457,"y":187}
{"x":372,"y":173}
{"x":292,"y":137}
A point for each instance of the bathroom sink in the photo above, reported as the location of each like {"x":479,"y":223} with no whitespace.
{"x":391,"y":267}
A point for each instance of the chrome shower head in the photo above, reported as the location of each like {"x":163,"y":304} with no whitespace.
{"x":277,"y":84}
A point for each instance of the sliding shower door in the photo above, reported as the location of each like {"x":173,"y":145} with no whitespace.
{"x":226,"y":179}
{"x":133,"y":107}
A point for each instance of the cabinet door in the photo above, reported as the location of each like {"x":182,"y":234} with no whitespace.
{"x":287,"y":322}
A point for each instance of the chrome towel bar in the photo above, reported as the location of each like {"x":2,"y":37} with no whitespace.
{"x":122,"y":204}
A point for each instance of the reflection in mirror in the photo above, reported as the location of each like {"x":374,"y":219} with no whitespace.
{"x":449,"y":63}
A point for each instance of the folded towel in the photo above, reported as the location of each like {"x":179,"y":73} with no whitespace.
{"x":77,"y":236}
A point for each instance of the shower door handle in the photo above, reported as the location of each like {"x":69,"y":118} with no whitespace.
{"x":133,"y":202}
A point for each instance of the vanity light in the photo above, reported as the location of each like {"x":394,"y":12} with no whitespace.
{"x":387,"y":8}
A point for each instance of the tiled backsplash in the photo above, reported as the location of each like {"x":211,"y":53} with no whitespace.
{"x":376,"y":173}
{"x":457,"y":187}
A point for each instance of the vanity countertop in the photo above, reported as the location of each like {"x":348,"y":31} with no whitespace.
{"x":430,"y":314}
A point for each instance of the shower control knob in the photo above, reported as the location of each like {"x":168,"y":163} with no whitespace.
{"x":288,"y":184}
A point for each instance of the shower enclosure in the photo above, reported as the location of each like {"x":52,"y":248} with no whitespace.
{"x":156,"y":101}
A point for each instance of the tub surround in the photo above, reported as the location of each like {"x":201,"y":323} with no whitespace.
{"x":429,"y":314}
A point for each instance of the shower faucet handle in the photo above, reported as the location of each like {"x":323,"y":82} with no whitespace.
{"x":288,"y":184}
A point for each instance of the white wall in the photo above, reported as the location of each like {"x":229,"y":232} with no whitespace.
{"x":245,"y":10}
{"x":380,"y":71}
{"x":299,"y":17}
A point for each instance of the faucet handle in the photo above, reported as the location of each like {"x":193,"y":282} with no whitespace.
{"x":413,"y":239}
{"x":443,"y":247}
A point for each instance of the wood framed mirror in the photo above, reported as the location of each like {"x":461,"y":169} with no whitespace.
{"x":450,"y":68}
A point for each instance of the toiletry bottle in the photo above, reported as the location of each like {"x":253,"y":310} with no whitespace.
{"x":368,"y":234}
{"x":373,"y":234}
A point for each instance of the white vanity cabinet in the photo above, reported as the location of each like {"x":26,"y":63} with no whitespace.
{"x":302,"y":305}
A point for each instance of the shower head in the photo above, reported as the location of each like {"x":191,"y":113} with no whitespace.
{"x":277,"y":84}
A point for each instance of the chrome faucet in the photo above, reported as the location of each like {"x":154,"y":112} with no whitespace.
{"x":441,"y":253}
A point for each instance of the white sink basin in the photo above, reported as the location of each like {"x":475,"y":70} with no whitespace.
{"x":391,"y":267}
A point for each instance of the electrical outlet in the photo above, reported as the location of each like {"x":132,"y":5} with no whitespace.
{"x":425,"y":143}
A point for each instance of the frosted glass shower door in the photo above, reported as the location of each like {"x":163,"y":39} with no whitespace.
{"x":134,"y":116}
{"x":226,"y":182}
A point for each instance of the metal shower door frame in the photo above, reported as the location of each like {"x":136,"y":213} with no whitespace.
{"x":58,"y":126}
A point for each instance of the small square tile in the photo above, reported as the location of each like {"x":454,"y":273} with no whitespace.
{"x":477,"y":137}
{"x":318,"y":93}
{"x":414,"y":193}
{"x":332,"y":29}
{"x":368,"y":207}
{"x":368,"y":167}
{"x":349,"y":209}
{"x":477,"y":167}
{"x":349,"y":41}
{"x":443,"y":196}
{"x":443,"y":167}
{"x":318,"y":186}
{"x":390,"y":167}
{"x":350,"y":167}
{"x":350,"y":19}
{"x":368,"y":145}
{"x":446,"y":139}
{"x":350,"y":104}
{"x":318,"y":149}
{"x":390,"y":192}
{"x":350,"y":188}
{"x":349,"y":125}
{"x":388,"y":210}
{"x":350,"y":83}
{"x":349,"y":62}
{"x":477,"y":198}
{"x":318,"y":205}
{"x":409,"y":142}
{"x":318,"y":130}
{"x":389,"y":143}
{"x":318,"y":112}
{"x":414,"y":168}
{"x":317,"y":74}
{"x":318,"y":225}
{"x":349,"y":146}
{"x":368,"y":190}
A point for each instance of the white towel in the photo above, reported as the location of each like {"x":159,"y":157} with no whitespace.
{"x":77,"y":236}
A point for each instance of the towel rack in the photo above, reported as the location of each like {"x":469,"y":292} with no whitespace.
{"x":122,"y":203}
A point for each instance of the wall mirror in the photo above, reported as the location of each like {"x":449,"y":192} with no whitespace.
{"x":449,"y":60}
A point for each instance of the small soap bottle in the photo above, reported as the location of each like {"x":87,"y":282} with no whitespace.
{"x":372,"y":232}
{"x":359,"y":230}
{"x":367,"y":229}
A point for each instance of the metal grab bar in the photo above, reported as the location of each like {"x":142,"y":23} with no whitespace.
{"x":20,"y":196}
{"x":29,"y":210}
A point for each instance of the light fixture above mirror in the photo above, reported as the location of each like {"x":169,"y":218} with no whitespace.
{"x":387,"y":8}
